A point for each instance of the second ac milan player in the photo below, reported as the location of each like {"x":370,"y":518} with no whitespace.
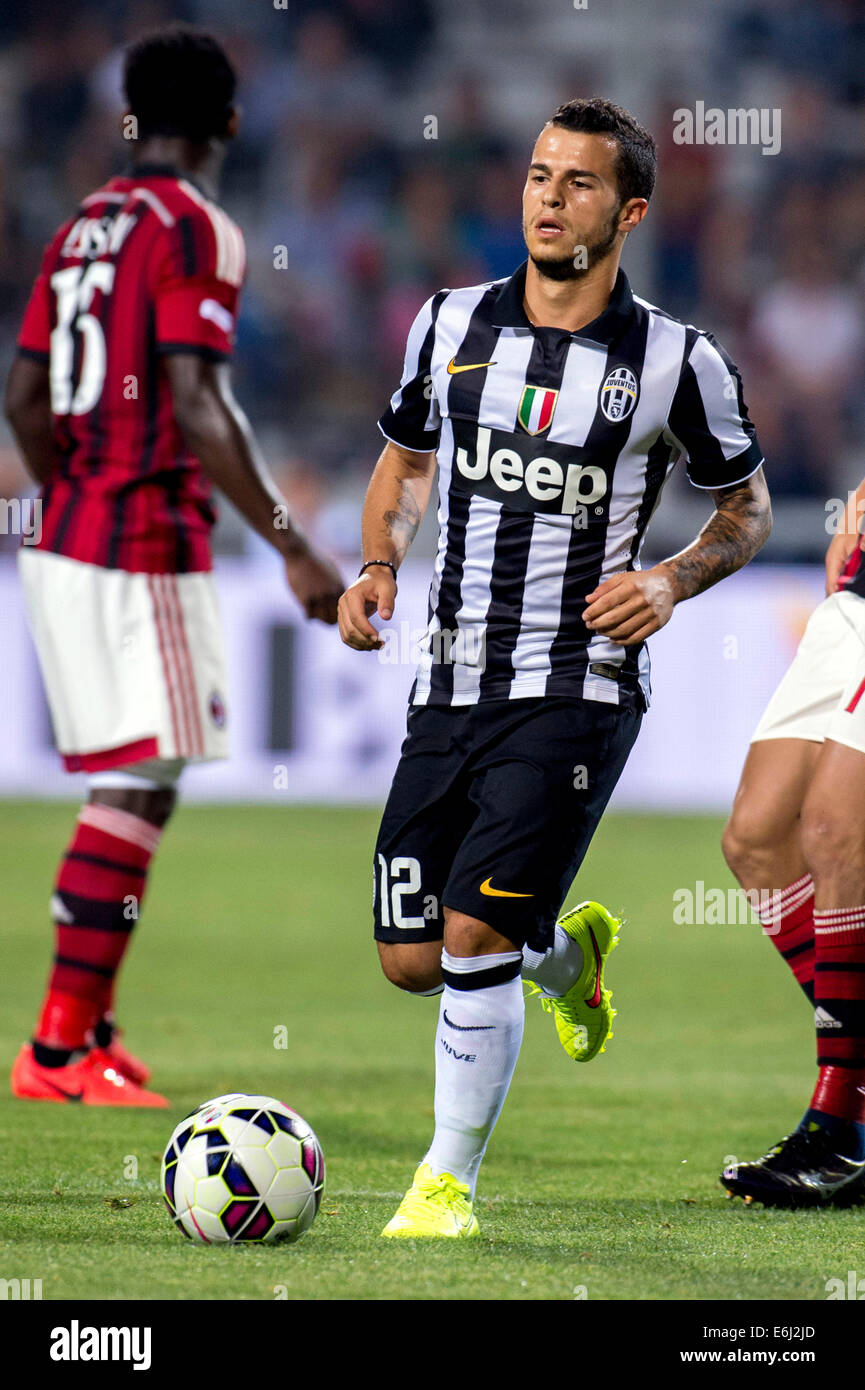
{"x":120,"y":401}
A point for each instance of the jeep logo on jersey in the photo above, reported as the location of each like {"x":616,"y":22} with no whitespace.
{"x":512,"y":469}
{"x":619,"y":394}
{"x":536,"y":408}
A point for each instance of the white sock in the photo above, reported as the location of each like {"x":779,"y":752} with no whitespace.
{"x":477,"y":1044}
{"x":555,"y":969}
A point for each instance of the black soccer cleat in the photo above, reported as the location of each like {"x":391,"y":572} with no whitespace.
{"x":802,"y":1171}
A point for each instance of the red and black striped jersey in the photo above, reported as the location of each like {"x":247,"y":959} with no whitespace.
{"x":148,"y":266}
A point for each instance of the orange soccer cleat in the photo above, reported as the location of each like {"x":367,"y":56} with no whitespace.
{"x":94,"y":1079}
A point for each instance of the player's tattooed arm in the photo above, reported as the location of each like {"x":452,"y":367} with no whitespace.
{"x":738,"y":528}
{"x":396,"y":500}
{"x":403,"y":520}
{"x":629,"y":607}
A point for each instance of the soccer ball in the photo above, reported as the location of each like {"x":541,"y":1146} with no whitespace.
{"x":243,"y":1167}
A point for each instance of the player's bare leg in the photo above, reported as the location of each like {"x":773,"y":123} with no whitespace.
{"x":833,"y":827}
{"x":155,"y":806}
{"x":761,"y":840}
{"x":763,"y":846}
{"x":415,"y":967}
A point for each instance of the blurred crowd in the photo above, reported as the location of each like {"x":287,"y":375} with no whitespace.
{"x":374,"y":167}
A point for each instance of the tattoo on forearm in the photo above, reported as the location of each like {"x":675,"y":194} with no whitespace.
{"x":402,"y":523}
{"x":731,"y":537}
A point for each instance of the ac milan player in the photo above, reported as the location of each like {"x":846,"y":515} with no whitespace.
{"x":796,"y":834}
{"x":121,"y":403}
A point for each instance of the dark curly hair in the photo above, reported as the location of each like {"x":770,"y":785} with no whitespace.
{"x":179,"y":81}
{"x":637,"y":163}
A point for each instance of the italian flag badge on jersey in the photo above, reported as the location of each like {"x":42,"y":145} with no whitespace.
{"x":536,"y":409}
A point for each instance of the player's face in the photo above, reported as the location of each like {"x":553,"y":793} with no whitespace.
{"x":571,"y":200}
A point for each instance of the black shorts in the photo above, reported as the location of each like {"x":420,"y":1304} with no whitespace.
{"x":491,"y":811}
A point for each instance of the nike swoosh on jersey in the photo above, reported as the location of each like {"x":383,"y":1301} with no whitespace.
{"x":490,"y":892}
{"x":469,"y":367}
{"x":468,"y":1027}
{"x":596,"y":997}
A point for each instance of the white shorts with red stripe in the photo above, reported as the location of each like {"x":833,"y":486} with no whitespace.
{"x":133,"y":664}
{"x":822,"y":694}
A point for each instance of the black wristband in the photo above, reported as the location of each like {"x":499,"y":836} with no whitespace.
{"x":387,"y":564}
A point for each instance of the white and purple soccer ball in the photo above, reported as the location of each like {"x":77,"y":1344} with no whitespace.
{"x":243,"y":1168}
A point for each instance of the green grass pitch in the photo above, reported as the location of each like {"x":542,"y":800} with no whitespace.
{"x":600,"y":1180}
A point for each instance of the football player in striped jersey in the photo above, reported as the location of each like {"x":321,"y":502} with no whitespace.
{"x":121,"y":403}
{"x":554,"y":404}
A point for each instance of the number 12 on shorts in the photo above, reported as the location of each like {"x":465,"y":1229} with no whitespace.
{"x":391,"y":893}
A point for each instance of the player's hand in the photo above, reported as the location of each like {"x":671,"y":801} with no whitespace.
{"x":629,"y":607}
{"x":841,"y":547}
{"x":373,"y":592}
{"x":315,"y":582}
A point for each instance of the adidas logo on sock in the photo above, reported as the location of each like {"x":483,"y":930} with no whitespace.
{"x":59,"y":911}
{"x":823,"y":1019}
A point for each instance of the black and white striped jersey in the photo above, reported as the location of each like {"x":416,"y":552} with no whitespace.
{"x":553,"y":448}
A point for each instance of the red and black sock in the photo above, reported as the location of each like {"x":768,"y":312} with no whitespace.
{"x":838,"y":1103}
{"x":96,"y":903}
{"x":788,"y":920}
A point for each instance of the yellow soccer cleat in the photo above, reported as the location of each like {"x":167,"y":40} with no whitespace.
{"x":435,"y":1205}
{"x":584,"y":1016}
